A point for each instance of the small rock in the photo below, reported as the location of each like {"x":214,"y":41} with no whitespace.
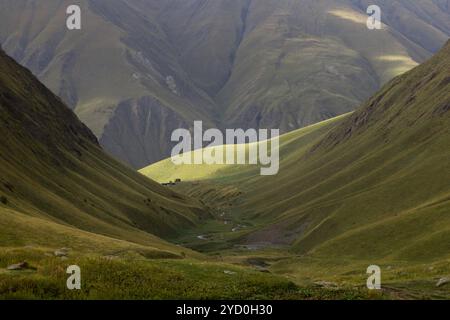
{"x":326,"y":284}
{"x":64,"y":258}
{"x":61,"y":252}
{"x":229,"y":272}
{"x":18,"y":266}
{"x":442,"y":282}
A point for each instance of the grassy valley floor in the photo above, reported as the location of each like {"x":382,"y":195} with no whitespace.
{"x":209,"y":261}
{"x":219,"y":268}
{"x":221,"y":238}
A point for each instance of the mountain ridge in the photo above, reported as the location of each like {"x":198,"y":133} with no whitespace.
{"x":162,"y":65}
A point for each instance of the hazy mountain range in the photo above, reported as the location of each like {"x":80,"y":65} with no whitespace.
{"x":140,"y":69}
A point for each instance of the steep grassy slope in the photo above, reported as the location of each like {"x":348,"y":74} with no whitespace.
{"x":371,"y":186}
{"x":53,"y":174}
{"x":140,"y":69}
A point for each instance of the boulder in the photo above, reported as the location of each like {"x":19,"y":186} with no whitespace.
{"x":229,"y":272}
{"x":63,"y":252}
{"x":18,"y":266}
{"x":442,"y":282}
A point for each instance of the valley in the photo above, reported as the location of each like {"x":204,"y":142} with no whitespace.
{"x":343,"y":276}
{"x":360,"y":172}
{"x":352,"y":191}
{"x":66,"y":202}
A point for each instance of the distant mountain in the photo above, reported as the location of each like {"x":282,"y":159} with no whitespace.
{"x":58,"y":186}
{"x":369,"y":185}
{"x":140,"y":69}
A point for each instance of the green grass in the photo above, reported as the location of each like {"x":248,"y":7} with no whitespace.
{"x":400,"y":279}
{"x":135,"y":277}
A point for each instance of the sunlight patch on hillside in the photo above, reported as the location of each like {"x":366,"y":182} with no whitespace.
{"x":351,"y":15}
{"x":401,"y":64}
{"x":398,"y":58}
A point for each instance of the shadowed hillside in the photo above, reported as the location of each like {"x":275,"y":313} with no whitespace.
{"x":54,"y":176}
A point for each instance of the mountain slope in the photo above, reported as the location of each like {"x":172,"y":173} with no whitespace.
{"x":53,"y":172}
{"x":369,"y":185}
{"x":119,"y":72}
{"x":140,"y":69}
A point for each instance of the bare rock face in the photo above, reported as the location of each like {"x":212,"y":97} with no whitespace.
{"x":137,"y":128}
